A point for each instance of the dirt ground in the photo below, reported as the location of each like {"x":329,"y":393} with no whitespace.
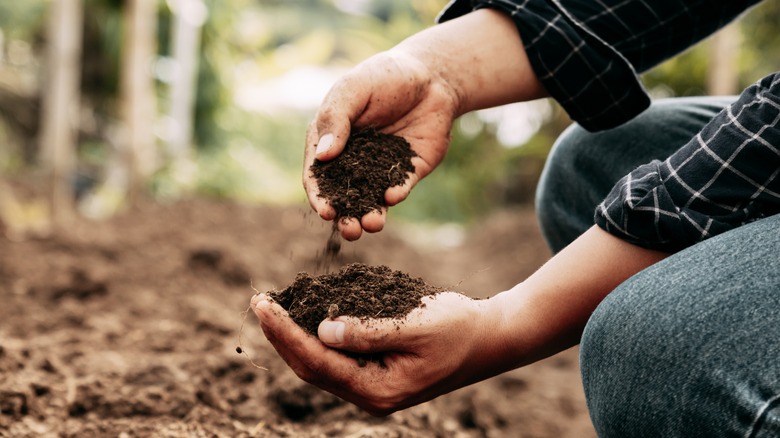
{"x":129,"y":328}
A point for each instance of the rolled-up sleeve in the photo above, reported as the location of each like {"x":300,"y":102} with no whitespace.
{"x":726,"y":176}
{"x":587,"y":53}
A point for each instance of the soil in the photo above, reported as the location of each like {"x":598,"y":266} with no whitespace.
{"x":355,"y":182}
{"x":129,"y":327}
{"x":356,"y":290}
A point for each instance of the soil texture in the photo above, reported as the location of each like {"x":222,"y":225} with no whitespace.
{"x":355,"y":182}
{"x":129,"y":328}
{"x":356,"y":290}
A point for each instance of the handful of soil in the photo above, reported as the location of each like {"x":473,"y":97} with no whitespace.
{"x":356,"y":290}
{"x":355,"y":182}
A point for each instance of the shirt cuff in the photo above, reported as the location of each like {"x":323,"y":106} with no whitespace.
{"x":644,"y":210}
{"x":594,"y":83}
{"x":727,"y":175}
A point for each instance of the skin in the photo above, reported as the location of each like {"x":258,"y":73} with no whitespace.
{"x":455,"y":341}
{"x":416,"y":90}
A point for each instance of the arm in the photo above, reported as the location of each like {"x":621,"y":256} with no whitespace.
{"x":416,"y":90}
{"x":455,"y":341}
{"x":587,"y":54}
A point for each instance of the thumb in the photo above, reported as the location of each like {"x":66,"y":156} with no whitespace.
{"x":343,"y":105}
{"x":351,"y":335}
{"x":333,"y":127}
{"x":331,"y":332}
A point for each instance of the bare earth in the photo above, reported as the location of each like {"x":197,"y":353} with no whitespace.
{"x":129,"y":328}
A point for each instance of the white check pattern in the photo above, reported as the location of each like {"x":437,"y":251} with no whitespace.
{"x":587,"y":54}
{"x":726,"y":176}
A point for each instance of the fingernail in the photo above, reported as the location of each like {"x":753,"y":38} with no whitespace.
{"x":326,"y":141}
{"x":331,"y":332}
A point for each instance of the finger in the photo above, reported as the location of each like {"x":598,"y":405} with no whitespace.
{"x":256,"y":298}
{"x":319,"y":365}
{"x":374,"y":221}
{"x":380,"y":335}
{"x":394,"y":195}
{"x":319,"y":204}
{"x":350,"y":228}
{"x":309,"y":358}
{"x":343,"y":104}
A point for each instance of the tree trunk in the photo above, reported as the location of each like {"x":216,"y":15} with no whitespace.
{"x":189,"y":16}
{"x":723,"y":72}
{"x":139,"y":106}
{"x":61,"y":104}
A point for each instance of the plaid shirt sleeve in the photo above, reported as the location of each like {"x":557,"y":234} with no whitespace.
{"x":587,"y":53}
{"x":724,"y":177}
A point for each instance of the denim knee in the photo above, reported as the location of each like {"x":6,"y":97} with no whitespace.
{"x":612,"y":374}
{"x":689,"y":347}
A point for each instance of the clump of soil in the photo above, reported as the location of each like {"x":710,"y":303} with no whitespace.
{"x":356,"y":290}
{"x":355,"y":182}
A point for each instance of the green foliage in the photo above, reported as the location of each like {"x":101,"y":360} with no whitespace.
{"x":686,"y":74}
{"x":101,"y":50}
{"x":22,"y":20}
{"x":257,"y":156}
{"x":761,"y":39}
{"x":683,"y":75}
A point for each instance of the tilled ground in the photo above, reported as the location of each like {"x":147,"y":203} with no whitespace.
{"x":129,"y":328}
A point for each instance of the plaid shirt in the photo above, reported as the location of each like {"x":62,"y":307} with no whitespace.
{"x":587,"y":54}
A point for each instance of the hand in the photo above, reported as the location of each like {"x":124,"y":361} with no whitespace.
{"x":449,"y":343}
{"x":395,"y":93}
{"x":415,"y":91}
{"x":453,"y":340}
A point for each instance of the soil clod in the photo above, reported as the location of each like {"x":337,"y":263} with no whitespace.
{"x":356,"y":290}
{"x":355,"y":182}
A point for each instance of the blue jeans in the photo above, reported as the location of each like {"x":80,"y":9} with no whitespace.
{"x":689,"y":347}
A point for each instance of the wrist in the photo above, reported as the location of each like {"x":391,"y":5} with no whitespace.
{"x":432,"y":71}
{"x":479,"y":57}
{"x":494,"y":345}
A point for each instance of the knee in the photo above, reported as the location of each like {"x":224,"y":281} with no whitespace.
{"x":630,"y":363}
{"x":601,"y":351}
{"x":636,"y":367}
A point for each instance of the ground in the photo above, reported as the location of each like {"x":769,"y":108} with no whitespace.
{"x":129,"y":327}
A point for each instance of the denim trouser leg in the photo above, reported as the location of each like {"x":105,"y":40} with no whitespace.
{"x":582,"y":166}
{"x":690,"y":347}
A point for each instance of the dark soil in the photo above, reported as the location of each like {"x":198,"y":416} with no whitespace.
{"x":356,"y":290}
{"x":129,"y":327}
{"x":355,"y":182}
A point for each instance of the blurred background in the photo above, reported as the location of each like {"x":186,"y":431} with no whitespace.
{"x":105,"y":103}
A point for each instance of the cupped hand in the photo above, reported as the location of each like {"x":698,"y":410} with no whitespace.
{"x":446,"y":344}
{"x":395,"y":93}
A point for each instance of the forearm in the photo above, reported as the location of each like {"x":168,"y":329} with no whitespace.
{"x":547,"y":313}
{"x":481,"y":56}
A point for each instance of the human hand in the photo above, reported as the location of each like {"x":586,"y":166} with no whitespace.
{"x":415,"y":91}
{"x":394,"y":93}
{"x":447,"y":344}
